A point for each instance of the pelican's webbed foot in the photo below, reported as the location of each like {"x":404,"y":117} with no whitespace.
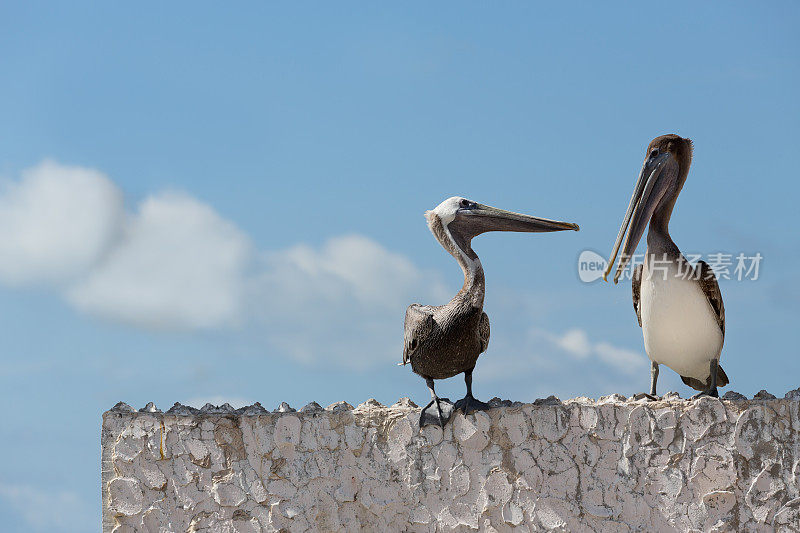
{"x":469,"y":404}
{"x":708,"y":392}
{"x":436,"y":413}
{"x":643,"y":395}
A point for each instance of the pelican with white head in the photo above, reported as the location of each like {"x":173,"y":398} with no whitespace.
{"x":446,"y":340}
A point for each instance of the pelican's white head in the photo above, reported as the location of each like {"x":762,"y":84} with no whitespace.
{"x":457,"y":220}
{"x":447,"y":210}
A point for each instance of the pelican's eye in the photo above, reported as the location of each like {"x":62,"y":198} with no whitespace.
{"x":654,"y":153}
{"x":465,"y":203}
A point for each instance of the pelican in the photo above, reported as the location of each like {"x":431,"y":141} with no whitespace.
{"x":445,"y":340}
{"x":678,"y":305}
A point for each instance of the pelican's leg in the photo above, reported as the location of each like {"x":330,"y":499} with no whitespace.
{"x":438,"y":411}
{"x":469,"y":404}
{"x":712,"y":387}
{"x":653,"y":380}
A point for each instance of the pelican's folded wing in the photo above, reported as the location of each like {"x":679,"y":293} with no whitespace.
{"x":484,"y":331}
{"x":708,"y":282}
{"x":636,"y":288}
{"x":419,"y":324}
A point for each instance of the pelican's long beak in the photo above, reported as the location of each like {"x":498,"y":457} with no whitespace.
{"x":648,"y":192}
{"x":485,"y":218}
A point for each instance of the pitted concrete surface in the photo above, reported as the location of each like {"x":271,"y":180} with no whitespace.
{"x":582,"y":465}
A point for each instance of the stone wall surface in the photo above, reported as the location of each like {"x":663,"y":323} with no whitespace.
{"x":582,"y":465}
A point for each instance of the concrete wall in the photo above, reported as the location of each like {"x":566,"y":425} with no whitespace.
{"x":583,"y":465}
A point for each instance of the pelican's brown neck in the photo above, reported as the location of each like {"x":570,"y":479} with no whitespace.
{"x":658,"y":237}
{"x":659,"y":240}
{"x":460,"y":247}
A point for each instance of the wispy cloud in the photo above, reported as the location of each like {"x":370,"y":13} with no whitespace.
{"x":575,"y":343}
{"x":49,"y":510}
{"x":621,"y":358}
{"x":341,"y":303}
{"x":528,"y":363}
{"x":174,"y":263}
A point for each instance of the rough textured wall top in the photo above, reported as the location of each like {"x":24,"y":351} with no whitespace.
{"x":610,"y":465}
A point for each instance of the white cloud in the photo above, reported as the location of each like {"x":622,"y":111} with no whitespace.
{"x":73,"y":514}
{"x":626,"y":360}
{"x":575,"y":342}
{"x":343,"y":303}
{"x":177,"y":265}
{"x":55,"y":222}
{"x":350,"y":267}
{"x":174,"y":263}
{"x":528,"y":363}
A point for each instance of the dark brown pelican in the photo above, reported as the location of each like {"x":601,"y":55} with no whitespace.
{"x":446,"y":340}
{"x":679,"y":305}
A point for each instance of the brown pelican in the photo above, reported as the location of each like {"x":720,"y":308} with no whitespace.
{"x":679,"y":306}
{"x":446,"y":340}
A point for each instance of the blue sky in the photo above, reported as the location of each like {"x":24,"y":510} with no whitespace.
{"x":209,"y":204}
